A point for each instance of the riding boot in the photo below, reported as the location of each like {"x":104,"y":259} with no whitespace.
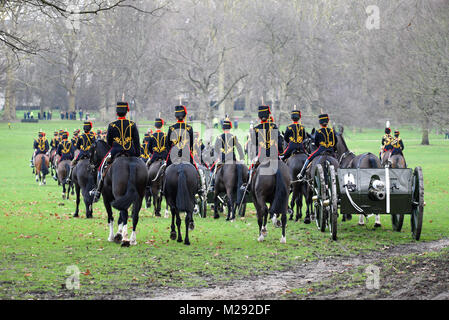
{"x":69,"y":176}
{"x":212,"y":184}
{"x":96,"y":192}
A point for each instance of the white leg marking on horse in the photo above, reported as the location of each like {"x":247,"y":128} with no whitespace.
{"x":283,"y":240}
{"x":125,"y":232}
{"x":264,"y":231}
{"x":111,"y":231}
{"x":274,"y":219}
{"x":132,"y":240}
{"x":166,"y":213}
{"x":261,"y":238}
{"x":361,"y":220}
{"x":377,"y":221}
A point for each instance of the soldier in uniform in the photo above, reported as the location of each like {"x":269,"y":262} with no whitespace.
{"x":224,"y":150}
{"x":294,"y":136}
{"x":158,"y":142}
{"x":397,"y":144}
{"x":144,"y":150}
{"x":123,"y":138}
{"x":54,"y":141}
{"x":266,"y":136}
{"x":198,"y":148}
{"x":75,"y":137}
{"x":325,"y":138}
{"x":40,"y":145}
{"x":66,"y":150}
{"x":180,"y":141}
{"x":84,"y":143}
{"x":386,"y":142}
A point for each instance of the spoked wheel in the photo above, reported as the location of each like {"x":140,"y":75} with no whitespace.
{"x":332,"y":214}
{"x":418,"y":203}
{"x":397,"y":220}
{"x":319,"y":194}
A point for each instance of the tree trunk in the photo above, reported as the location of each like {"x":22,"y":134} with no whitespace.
{"x":425,"y":131}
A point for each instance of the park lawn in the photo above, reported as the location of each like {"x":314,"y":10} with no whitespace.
{"x":39,"y":238}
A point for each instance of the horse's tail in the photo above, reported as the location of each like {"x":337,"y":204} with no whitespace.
{"x":131,"y":194}
{"x":280,"y":200}
{"x":44,"y":168}
{"x":183,"y":200}
{"x":239,"y":182}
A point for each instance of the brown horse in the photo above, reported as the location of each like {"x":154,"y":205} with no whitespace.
{"x":63,"y":172}
{"x":41,"y":162}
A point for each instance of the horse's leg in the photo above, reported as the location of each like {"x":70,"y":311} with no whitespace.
{"x":377,"y":223}
{"x":284,"y":223}
{"x":188,"y":222}
{"x":298,"y":207}
{"x":173,"y":230}
{"x":308,"y":197}
{"x":178,"y":225}
{"x":292,"y":205}
{"x":231,"y":211}
{"x":216,"y":214}
{"x":88,"y":208}
{"x":361,"y":220}
{"x":262,"y":220}
{"x":159,"y":204}
{"x":63,"y":191}
{"x":77,"y":189}
{"x":124,"y":216}
{"x":136,"y":208}
{"x":118,"y":236}
{"x":108,"y":207}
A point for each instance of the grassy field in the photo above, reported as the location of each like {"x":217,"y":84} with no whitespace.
{"x":39,"y":238}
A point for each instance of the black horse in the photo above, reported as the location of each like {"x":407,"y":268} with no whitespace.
{"x":229,"y":179}
{"x":298,"y":189}
{"x":84,"y":178}
{"x":270,"y":184}
{"x":124,"y":184}
{"x":180,"y":187}
{"x":154,"y":186}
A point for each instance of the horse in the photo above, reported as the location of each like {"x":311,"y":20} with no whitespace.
{"x":124,"y":184}
{"x":52,"y":163}
{"x":84,"y":180}
{"x":63,"y":172}
{"x":41,"y":162}
{"x":270,"y":184}
{"x":299,"y":189}
{"x":154,"y":186}
{"x":229,"y":179}
{"x":393,"y":160}
{"x":180,"y":187}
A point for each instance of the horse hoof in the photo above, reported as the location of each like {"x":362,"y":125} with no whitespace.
{"x":187,"y":243}
{"x":118,"y":238}
{"x":361,"y":224}
{"x":307,"y":220}
{"x":179,"y":240}
{"x":89,"y":216}
{"x":264,"y":232}
{"x":283,"y":240}
{"x":133,"y":243}
{"x":278,"y":224}
{"x":191,"y":226}
{"x":377,"y":225}
{"x":111,"y":238}
{"x":173,"y":235}
{"x":76,"y":215}
{"x":216,"y":216}
{"x":261,"y":238}
{"x":125,"y":243}
{"x":348,"y":216}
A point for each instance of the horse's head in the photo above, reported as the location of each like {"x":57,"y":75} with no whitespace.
{"x":341,"y":144}
{"x":98,"y":151}
{"x":309,"y":141}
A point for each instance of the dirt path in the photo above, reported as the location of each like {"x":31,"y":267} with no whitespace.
{"x":275,"y":285}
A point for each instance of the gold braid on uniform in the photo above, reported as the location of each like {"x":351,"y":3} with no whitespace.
{"x":123,"y":141}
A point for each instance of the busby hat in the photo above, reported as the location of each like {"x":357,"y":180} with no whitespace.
{"x":264,"y":112}
{"x":158,"y":123}
{"x":65,"y":135}
{"x":122,"y":107}
{"x":323,"y":118}
{"x":227,"y":124}
{"x":396,"y":133}
{"x":180,"y":111}
{"x":87,"y":126}
{"x":296,"y":115}
{"x":387,"y":130}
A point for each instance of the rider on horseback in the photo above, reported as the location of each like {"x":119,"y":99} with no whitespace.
{"x":83,"y":144}
{"x":54,"y":141}
{"x":325,"y":138}
{"x":180,"y":142}
{"x":144,"y":150}
{"x":224,"y":150}
{"x":157,"y":143}
{"x":397,"y":144}
{"x":294,"y":136}
{"x":66,"y":150}
{"x":75,"y":137}
{"x":40,"y":145}
{"x":386,"y":142}
{"x":123,"y":138}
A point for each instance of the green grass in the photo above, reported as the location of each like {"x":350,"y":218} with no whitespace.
{"x":39,"y":238}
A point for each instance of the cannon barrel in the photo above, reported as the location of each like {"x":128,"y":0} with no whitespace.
{"x":377,"y":190}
